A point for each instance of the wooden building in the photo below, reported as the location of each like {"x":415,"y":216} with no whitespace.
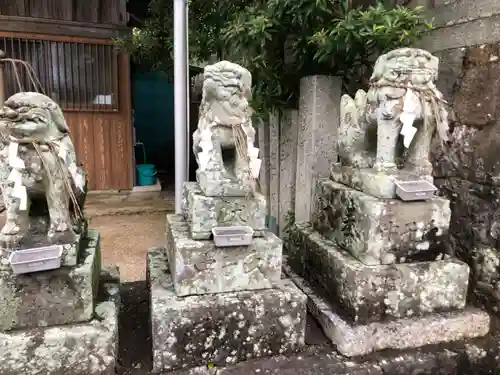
{"x":69,"y":45}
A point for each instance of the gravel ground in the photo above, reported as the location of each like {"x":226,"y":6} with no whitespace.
{"x":125,"y":240}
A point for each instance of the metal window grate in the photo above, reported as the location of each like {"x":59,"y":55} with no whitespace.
{"x":79,"y":76}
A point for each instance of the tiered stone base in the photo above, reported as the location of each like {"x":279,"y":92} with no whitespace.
{"x":381,"y":231}
{"x":63,"y":321}
{"x":198,"y":267}
{"x":371,"y":293}
{"x":471,"y":357}
{"x":381,"y":307}
{"x":89,"y":348}
{"x":220,"y":328}
{"x":206,"y":212}
{"x":352,"y":339}
{"x":60,"y":296}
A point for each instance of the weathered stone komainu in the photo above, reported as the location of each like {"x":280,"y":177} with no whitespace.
{"x":212,"y":304}
{"x":64,"y":320}
{"x":377,"y":270}
{"x":402,"y":91}
{"x":223,"y":144}
{"x":39,"y":174}
{"x":402,"y":101}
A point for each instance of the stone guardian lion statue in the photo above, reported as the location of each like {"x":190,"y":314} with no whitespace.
{"x":402,"y":101}
{"x":38,"y":164}
{"x":223,"y":144}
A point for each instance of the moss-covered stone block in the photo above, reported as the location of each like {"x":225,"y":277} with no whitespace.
{"x":222,"y":328}
{"x":86,"y":348}
{"x":204,"y":213}
{"x":381,"y":231}
{"x":199,"y":267}
{"x":55,"y":297}
{"x":372,"y":293}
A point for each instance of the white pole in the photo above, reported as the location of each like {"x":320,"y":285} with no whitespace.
{"x":180,"y":98}
{"x":188,"y":100}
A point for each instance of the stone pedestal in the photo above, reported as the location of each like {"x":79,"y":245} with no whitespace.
{"x":381,"y":231}
{"x":370,"y":293}
{"x":61,"y":296}
{"x":369,"y":181}
{"x":376,"y":274}
{"x":60,"y":321}
{"x":220,"y":305}
{"x":363,"y":308}
{"x":215,"y":183}
{"x":198,"y":267}
{"x":221,"y":328}
{"x":205,"y":212}
{"x":360,"y":339}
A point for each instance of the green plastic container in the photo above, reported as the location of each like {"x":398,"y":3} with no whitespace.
{"x":146,"y":174}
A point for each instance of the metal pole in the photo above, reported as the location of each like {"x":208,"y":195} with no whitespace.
{"x":180,"y":98}
{"x":188,"y":100}
{"x":2,"y":78}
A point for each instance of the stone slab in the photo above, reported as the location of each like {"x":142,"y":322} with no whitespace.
{"x":371,"y":182}
{"x":81,"y":349}
{"x":60,"y":296}
{"x":220,"y":328}
{"x":288,"y":164}
{"x":372,"y":293}
{"x":205,"y":212}
{"x":469,"y":357}
{"x":381,"y":231}
{"x":361,"y":339}
{"x":319,"y":120}
{"x":214,"y":183}
{"x":199,"y":267}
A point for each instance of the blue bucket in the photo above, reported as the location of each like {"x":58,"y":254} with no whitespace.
{"x":146,"y":174}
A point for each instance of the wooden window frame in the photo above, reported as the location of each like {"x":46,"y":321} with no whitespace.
{"x":72,"y":107}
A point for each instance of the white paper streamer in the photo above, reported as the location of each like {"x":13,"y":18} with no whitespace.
{"x":253,"y":152}
{"x":14,"y":160}
{"x":21,"y":193}
{"x":203,"y":160}
{"x":76,"y":175}
{"x":63,"y":151}
{"x":255,"y":165}
{"x":407,"y":118}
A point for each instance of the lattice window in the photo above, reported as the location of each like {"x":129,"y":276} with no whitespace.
{"x":79,"y":76}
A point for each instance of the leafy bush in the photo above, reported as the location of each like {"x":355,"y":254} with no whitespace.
{"x":284,"y":40}
{"x":280,"y":41}
{"x":152,"y":44}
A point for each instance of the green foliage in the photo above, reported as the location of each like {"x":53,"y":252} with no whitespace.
{"x":280,"y":41}
{"x":152,"y":44}
{"x":284,"y":40}
{"x":289,"y":224}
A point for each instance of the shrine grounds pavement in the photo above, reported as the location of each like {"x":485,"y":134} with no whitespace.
{"x":125,"y":237}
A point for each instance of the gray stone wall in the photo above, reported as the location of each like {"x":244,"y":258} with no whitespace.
{"x":466,"y":39}
{"x":467,"y":170}
{"x":460,"y":23}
